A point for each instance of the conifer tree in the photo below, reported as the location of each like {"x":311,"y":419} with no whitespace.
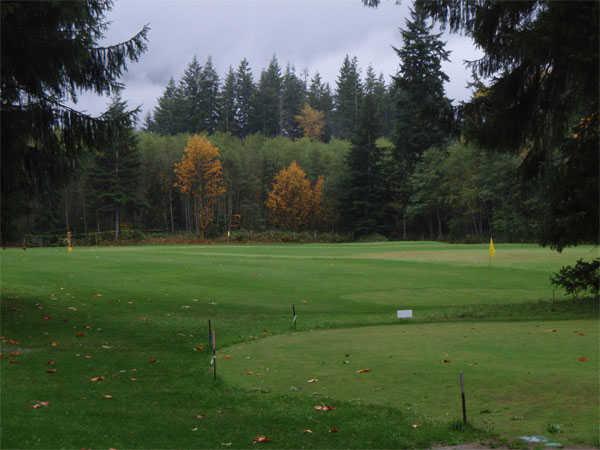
{"x":209,"y":93}
{"x":243,"y":100}
{"x":227,"y":106}
{"x":51,"y":53}
{"x":424,"y":113}
{"x":116,"y":173}
{"x":168,"y":114}
{"x":293,"y":93}
{"x":347,"y":99}
{"x":191,"y":107}
{"x":268,"y":99}
{"x":364,"y":202}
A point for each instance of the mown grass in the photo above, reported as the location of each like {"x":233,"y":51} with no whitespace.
{"x":135,"y":305}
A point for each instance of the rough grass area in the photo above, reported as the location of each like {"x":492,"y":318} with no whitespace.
{"x":135,"y":316}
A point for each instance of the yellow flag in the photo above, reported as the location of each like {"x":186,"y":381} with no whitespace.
{"x":492,"y":249}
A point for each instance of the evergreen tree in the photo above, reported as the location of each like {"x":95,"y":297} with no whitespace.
{"x":319,"y":97}
{"x":191,"y":108}
{"x":116,"y":173}
{"x":227,"y":106}
{"x":542,"y":60}
{"x":364,"y":203}
{"x":243,"y":100}
{"x":168,"y":113}
{"x":347,"y":99}
{"x":292,"y":98}
{"x":50,"y":53}
{"x":268,"y":99}
{"x":209,"y":93}
{"x":424,"y":113}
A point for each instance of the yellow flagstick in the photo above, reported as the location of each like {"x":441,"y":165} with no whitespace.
{"x":491,"y":250}
{"x":69,"y":242}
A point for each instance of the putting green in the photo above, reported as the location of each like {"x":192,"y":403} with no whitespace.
{"x":521,"y":377}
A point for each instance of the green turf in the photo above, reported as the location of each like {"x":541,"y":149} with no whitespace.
{"x":138,"y":303}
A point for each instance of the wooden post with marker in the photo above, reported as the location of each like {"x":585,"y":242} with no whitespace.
{"x":462,"y":397}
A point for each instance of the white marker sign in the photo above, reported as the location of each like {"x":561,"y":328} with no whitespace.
{"x":404,"y":313}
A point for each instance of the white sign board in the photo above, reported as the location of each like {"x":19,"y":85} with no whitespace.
{"x":404,"y":313}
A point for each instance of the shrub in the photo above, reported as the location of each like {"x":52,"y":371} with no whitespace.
{"x":581,"y":279}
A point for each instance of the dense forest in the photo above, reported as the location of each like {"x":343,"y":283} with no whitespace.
{"x":367,"y":158}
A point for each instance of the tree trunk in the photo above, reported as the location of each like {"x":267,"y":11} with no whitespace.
{"x":439,"y":223}
{"x":171,"y":211}
{"x":117,"y":221}
{"x":67,"y":221}
{"x":403,"y":227}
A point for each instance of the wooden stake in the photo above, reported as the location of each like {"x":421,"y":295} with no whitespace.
{"x":462,"y":396}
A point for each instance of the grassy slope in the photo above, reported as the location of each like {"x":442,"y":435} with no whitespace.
{"x":153,"y":302}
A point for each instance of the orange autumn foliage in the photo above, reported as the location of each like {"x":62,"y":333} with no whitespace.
{"x":200,"y":174}
{"x":293,"y":203}
{"x":312,"y":122}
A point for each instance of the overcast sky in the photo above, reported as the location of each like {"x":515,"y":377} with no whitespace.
{"x":310,"y":34}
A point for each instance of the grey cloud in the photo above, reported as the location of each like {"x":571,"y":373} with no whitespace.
{"x":310,"y":34}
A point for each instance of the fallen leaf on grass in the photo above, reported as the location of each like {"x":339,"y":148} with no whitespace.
{"x":312,"y":380}
{"x":106,"y":347}
{"x":226,"y":356}
{"x":333,"y":430}
{"x":80,"y":334}
{"x":415,"y":425}
{"x":13,"y":342}
{"x":107,"y":396}
{"x":152,"y":360}
{"x":37,"y":404}
{"x":249,"y":372}
{"x":97,"y":294}
{"x":260,"y":439}
{"x":47,"y":317}
{"x":199,"y":348}
{"x":54,"y":344}
{"x":307,"y":430}
{"x":363,"y":370}
{"x":97,"y":379}
{"x":226,"y":444}
{"x":583,"y":359}
{"x":133,"y":379}
{"x":580,"y":334}
{"x":50,"y":370}
{"x":200,"y":417}
{"x":87,"y":356}
{"x":324,"y":407}
{"x":51,"y":362}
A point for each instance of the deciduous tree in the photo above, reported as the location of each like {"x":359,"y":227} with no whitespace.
{"x":200,"y":174}
{"x":292,"y":202}
{"x":311,"y":121}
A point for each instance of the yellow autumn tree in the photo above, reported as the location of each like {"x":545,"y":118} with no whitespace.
{"x":293,"y":202}
{"x":200,"y":174}
{"x":312,"y":122}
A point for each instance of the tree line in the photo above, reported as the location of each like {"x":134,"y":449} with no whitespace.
{"x":242,"y":105}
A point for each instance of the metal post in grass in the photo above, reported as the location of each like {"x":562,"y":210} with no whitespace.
{"x":214,"y":357}
{"x":462,"y":396}
{"x":294,"y":317}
